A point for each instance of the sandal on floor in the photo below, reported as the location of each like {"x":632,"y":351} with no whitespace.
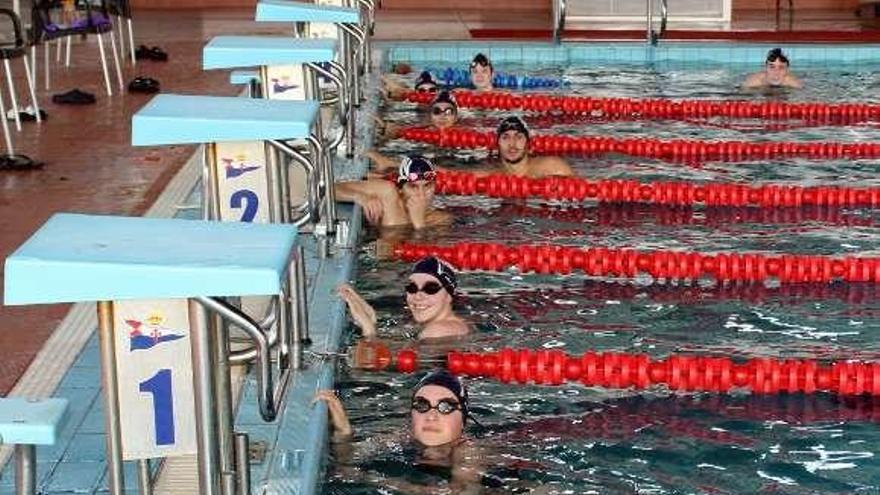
{"x":19,"y":162}
{"x":142,"y":84}
{"x":74,"y":97}
{"x":154,"y":53}
{"x":26,"y":114}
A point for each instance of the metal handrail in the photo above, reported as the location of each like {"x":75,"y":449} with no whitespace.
{"x":270,"y":397}
{"x":654,"y":36}
{"x":558,"y":20}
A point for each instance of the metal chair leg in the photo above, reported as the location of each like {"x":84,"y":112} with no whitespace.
{"x":117,"y":21}
{"x":104,"y":65}
{"x":45,"y":64}
{"x":67,"y":54}
{"x":58,"y":45}
{"x":6,"y":136}
{"x":31,"y":83}
{"x":131,"y":40}
{"x":116,"y":59}
{"x":12,"y":97}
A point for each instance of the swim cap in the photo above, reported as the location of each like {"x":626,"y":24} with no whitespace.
{"x":776,"y":54}
{"x":513,"y":123}
{"x":413,"y":168}
{"x":445,"y":97}
{"x":439,"y":270}
{"x":481,"y":59}
{"x":447,"y":380}
{"x":425,"y":78}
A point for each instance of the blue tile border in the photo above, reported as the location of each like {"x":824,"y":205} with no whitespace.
{"x":460,"y":53}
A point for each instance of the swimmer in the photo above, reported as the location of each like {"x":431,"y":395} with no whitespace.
{"x":406,"y":203}
{"x":482,"y":73}
{"x":424,"y":84}
{"x":439,"y":411}
{"x":775,"y":74}
{"x":513,"y":153}
{"x":443,"y":115}
{"x":430,"y":291}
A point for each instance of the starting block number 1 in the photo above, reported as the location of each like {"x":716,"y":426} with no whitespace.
{"x":154,"y":368}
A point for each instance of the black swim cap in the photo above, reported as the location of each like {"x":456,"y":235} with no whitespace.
{"x":439,"y":270}
{"x":445,"y":97}
{"x":413,"y":168}
{"x":776,"y":54}
{"x":481,"y":59}
{"x":513,"y":123}
{"x":425,"y":78}
{"x":447,"y":380}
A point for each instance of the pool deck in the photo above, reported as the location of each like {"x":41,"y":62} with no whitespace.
{"x":91,"y":168}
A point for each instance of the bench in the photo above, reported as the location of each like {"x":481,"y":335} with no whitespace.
{"x":26,"y":423}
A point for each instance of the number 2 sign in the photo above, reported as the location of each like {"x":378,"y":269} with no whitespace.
{"x":241,"y":181}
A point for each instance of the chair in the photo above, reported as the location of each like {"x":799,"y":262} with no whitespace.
{"x":9,"y":51}
{"x":49,"y":23}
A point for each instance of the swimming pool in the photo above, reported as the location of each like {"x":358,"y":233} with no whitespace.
{"x":572,"y":439}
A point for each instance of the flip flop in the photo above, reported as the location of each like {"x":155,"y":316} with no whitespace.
{"x":158,"y":54}
{"x":74,"y":97}
{"x":19,"y":162}
{"x":143,"y":84}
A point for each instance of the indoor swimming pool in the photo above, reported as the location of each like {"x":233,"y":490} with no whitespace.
{"x":576,"y":439}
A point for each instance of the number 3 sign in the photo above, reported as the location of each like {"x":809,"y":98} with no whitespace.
{"x":154,"y":369}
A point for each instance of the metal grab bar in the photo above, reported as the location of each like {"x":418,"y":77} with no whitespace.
{"x":267,"y":323}
{"x":313,"y":200}
{"x":558,"y":20}
{"x":653,"y":36}
{"x":269,"y":398}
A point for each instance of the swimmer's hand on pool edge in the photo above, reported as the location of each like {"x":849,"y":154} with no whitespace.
{"x":362,"y":313}
{"x":338,"y":417}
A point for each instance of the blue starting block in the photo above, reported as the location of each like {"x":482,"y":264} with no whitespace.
{"x":26,"y":423}
{"x":245,"y":180}
{"x":130,"y":266}
{"x":290,"y":11}
{"x":227,"y":52}
{"x":239,"y":77}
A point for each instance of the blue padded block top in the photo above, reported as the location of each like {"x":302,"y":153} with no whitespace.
{"x":226,"y":52}
{"x":31,"y":421}
{"x":184,"y":119}
{"x":75,"y":258}
{"x":243,"y":76}
{"x":289,"y":11}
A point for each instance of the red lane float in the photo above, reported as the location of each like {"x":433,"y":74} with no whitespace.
{"x":658,"y":108}
{"x":674,"y":150}
{"x":657,"y":192}
{"x":678,"y":372}
{"x":627,"y":263}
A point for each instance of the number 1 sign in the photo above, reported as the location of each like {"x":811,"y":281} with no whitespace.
{"x":156,"y":405}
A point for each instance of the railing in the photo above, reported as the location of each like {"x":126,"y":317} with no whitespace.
{"x":654,"y":36}
{"x":558,"y":20}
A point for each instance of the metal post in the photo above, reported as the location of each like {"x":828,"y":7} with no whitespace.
{"x":145,"y":479}
{"x":650,"y":35}
{"x":225,"y":416}
{"x":211,"y":183}
{"x":243,"y":463}
{"x":298,"y":289}
{"x":109,"y":381}
{"x":279,"y":199}
{"x":205,"y":401}
{"x":25,"y":470}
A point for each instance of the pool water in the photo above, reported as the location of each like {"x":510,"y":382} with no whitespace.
{"x":572,"y":439}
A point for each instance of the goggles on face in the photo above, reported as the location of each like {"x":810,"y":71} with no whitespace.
{"x":443,"y":111}
{"x":429,"y":176}
{"x":444,"y":406}
{"x":427,"y":89}
{"x":430,"y":288}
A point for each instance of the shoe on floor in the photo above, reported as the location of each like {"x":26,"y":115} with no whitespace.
{"x":154,"y":53}
{"x":19,"y":162}
{"x":74,"y":97}
{"x":142,"y":84}
{"x":26,"y":114}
